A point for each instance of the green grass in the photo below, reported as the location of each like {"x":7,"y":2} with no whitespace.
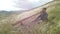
{"x":5,"y":28}
{"x":5,"y":22}
{"x":55,"y":17}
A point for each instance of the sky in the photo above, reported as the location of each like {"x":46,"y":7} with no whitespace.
{"x":12,"y":5}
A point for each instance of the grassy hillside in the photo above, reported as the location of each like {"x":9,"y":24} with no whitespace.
{"x":50,"y":27}
{"x":54,"y":16}
{"x":53,"y":24}
{"x":5,"y":22}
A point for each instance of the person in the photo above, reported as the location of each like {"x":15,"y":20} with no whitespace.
{"x":43,"y":15}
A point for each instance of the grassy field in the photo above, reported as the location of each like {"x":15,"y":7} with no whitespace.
{"x":55,"y":17}
{"x":50,"y":27}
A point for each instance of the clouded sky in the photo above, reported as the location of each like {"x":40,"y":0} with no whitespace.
{"x":20,"y":4}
